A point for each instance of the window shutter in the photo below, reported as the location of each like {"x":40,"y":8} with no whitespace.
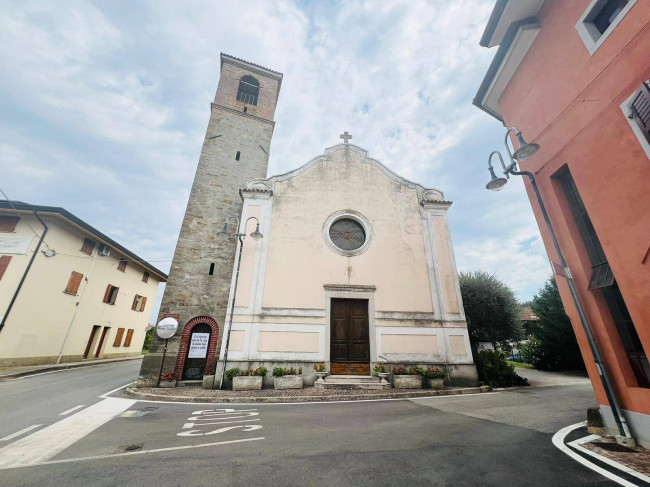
{"x":88,"y":246}
{"x":122,"y":265}
{"x":114,"y":291}
{"x":640,"y":109}
{"x":144,"y":302}
{"x":129,"y":335}
{"x":135,"y":302}
{"x":8,"y":223}
{"x":107,"y":294}
{"x":118,"y":337}
{"x":73,"y":283}
{"x":4,"y":263}
{"x":145,"y":277}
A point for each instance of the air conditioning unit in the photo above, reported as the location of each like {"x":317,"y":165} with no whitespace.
{"x":104,"y":250}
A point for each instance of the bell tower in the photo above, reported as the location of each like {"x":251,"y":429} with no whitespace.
{"x":235,"y":150}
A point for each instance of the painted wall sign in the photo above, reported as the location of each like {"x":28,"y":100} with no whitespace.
{"x":15,"y":245}
{"x":199,"y":345}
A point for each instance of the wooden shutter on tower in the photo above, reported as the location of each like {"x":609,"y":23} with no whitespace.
{"x":8,"y":223}
{"x":4,"y":263}
{"x":73,"y":283}
{"x":118,"y":337}
{"x":640,"y":109}
{"x":144,"y":303}
{"x":129,"y":335}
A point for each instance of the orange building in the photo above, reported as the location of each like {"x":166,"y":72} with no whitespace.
{"x":574,"y":77}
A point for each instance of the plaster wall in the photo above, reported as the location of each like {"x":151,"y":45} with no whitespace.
{"x":42,"y":314}
{"x":568,"y":101}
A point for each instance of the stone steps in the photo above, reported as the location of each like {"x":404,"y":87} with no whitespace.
{"x":352,"y":382}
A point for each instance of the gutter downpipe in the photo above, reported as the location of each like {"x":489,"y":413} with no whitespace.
{"x":617,"y":412}
{"x":29,"y":265}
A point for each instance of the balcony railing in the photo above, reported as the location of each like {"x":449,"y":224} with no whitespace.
{"x":247,"y":98}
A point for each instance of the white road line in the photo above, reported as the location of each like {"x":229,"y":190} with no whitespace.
{"x":577,"y":444}
{"x":127,"y":454}
{"x":71,"y":409}
{"x":49,"y":442}
{"x":558,"y":441}
{"x":106,"y":394}
{"x":18,"y":433}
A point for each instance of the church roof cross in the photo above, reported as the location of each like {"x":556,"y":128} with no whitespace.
{"x":345,"y":136}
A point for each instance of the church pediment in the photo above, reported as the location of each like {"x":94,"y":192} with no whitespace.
{"x":351,"y":154}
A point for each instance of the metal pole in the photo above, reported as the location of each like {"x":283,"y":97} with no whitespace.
{"x":232,"y":307}
{"x":600,"y":365}
{"x":162,"y":362}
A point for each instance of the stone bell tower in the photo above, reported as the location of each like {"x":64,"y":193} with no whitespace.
{"x":235,"y":150}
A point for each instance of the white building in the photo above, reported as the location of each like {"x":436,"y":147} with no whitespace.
{"x":67,"y":291}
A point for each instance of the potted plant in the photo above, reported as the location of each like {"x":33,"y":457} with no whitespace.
{"x":381,"y":370}
{"x":435,"y":377}
{"x":168,"y":379}
{"x":246,"y":380}
{"x":321,"y":371}
{"x":208,"y":377}
{"x":287,"y":378}
{"x":407,"y":377}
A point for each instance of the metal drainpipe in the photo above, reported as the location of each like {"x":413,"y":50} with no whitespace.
{"x":22,"y":280}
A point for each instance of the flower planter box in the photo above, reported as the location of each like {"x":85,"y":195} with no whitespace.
{"x":288,"y":382}
{"x":168,"y":383}
{"x":436,"y":383}
{"x":247,"y":383}
{"x":208,"y":381}
{"x":407,"y":381}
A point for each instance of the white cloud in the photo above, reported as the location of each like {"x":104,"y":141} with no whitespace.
{"x":104,"y":108}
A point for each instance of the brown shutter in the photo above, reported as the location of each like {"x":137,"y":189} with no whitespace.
{"x":135,"y":302}
{"x":640,"y":108}
{"x":88,"y":246}
{"x":122,"y":265}
{"x":4,"y":263}
{"x":8,"y":223}
{"x":129,"y":335}
{"x":144,"y":302}
{"x":118,"y":337}
{"x":145,"y":277}
{"x":107,"y":294}
{"x":73,"y":283}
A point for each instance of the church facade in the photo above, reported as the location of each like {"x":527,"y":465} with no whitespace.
{"x":355,"y":264}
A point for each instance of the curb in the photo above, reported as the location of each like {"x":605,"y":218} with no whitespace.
{"x":51,"y":368}
{"x":133,"y":391}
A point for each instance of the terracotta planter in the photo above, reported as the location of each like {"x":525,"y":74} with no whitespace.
{"x":288,"y":382}
{"x":436,"y":383}
{"x":167,"y":383}
{"x":247,"y":383}
{"x":208,"y":381}
{"x":407,"y":381}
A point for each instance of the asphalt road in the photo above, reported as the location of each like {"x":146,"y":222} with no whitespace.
{"x":499,"y":439}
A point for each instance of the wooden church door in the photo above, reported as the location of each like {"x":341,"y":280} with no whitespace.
{"x":350,"y":343}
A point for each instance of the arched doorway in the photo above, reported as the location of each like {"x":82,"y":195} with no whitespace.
{"x":196,"y":358}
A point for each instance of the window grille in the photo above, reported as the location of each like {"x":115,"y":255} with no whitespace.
{"x":249,"y":90}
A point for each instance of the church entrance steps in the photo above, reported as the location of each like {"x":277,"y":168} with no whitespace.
{"x":307,"y":394}
{"x":352,"y":382}
{"x":341,"y":379}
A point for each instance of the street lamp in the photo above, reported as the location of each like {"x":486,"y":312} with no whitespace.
{"x":525,"y":151}
{"x":238,"y":233}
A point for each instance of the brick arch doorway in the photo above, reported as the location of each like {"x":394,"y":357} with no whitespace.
{"x":193,"y":360}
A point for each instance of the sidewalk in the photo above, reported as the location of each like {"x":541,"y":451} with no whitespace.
{"x":306,"y":394}
{"x":16,"y":372}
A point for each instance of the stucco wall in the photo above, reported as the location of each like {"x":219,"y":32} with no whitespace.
{"x":42,"y":313}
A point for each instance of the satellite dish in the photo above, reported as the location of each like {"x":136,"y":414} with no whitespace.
{"x":167,"y":327}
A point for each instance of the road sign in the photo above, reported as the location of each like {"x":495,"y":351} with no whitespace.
{"x":167,"y":327}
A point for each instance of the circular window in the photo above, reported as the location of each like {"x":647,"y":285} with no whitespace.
{"x":347,"y":232}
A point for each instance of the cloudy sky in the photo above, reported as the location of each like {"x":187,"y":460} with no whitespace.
{"x":104,"y":106}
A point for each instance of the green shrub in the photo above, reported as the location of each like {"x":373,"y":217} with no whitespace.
{"x":434,"y":373}
{"x":261,"y":371}
{"x":279,"y":371}
{"x":234,"y":372}
{"x":499,"y":372}
{"x":148,"y":338}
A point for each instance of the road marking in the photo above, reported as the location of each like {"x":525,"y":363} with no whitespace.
{"x":140,"y":452}
{"x":18,"y":433}
{"x":71,"y":409}
{"x":49,"y":442}
{"x":106,"y":394}
{"x":577,"y":444}
{"x":558,"y":441}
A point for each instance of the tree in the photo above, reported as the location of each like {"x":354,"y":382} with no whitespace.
{"x":553,"y":345}
{"x":491,"y":308}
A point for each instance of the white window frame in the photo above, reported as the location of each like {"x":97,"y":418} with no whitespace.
{"x":588,"y":31}
{"x":625,"y":108}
